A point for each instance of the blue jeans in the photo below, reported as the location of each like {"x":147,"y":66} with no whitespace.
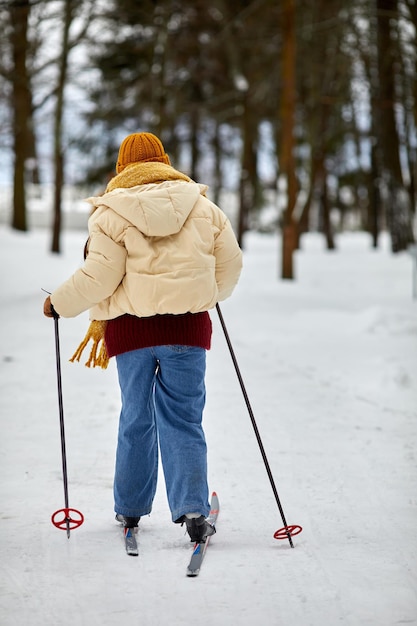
{"x":163,"y":397}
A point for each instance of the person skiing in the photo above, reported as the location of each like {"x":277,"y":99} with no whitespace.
{"x":159,"y":256}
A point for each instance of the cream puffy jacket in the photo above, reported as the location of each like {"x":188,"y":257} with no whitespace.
{"x":153,"y":249}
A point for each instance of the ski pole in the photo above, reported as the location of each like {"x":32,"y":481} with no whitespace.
{"x":287,"y":532}
{"x":65,"y":518}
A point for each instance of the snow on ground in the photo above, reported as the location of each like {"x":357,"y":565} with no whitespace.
{"x":330,"y":366}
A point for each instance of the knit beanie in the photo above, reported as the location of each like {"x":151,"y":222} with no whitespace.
{"x":140,"y":147}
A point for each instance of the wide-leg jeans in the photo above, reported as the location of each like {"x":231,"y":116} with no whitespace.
{"x":163,"y":397}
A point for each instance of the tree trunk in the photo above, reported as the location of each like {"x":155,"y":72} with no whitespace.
{"x":287,"y":159}
{"x":19,"y":13}
{"x":325,"y":207}
{"x":246,"y":190}
{"x":194,"y":130}
{"x":59,"y":110}
{"x":304,"y":217}
{"x":374,"y":200}
{"x":217,"y":166}
{"x":398,"y":202}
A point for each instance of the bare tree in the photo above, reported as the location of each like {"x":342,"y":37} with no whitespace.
{"x":68,"y":16}
{"x":398,"y":210}
{"x":287,"y":157}
{"x":21,"y":107}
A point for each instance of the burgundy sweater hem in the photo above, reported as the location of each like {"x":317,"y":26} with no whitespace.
{"x":129,"y":332}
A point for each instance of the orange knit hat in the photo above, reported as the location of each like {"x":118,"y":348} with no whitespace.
{"x":141,"y":147}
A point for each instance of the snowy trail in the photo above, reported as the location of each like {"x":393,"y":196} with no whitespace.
{"x":330,"y":366}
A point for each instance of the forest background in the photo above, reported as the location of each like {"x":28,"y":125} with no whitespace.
{"x":306,"y":107}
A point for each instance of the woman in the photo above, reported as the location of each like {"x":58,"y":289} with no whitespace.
{"x":159,"y":256}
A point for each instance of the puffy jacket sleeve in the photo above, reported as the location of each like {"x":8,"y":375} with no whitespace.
{"x":228,"y":259}
{"x":102,"y":272}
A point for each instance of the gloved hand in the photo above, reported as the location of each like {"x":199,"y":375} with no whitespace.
{"x":48,"y":309}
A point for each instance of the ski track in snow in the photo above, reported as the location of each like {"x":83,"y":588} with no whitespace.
{"x":330,"y":366}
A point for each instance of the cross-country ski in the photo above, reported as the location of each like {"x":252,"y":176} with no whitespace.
{"x":200,"y":547}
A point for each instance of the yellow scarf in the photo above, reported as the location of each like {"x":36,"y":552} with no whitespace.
{"x":98,"y":356}
{"x":133,"y":175}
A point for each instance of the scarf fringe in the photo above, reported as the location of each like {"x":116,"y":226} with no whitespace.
{"x":98,"y":354}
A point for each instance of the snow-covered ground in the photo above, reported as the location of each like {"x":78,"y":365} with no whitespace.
{"x":330,"y":366}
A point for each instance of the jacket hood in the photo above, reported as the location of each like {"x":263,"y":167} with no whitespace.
{"x":156,"y":210}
